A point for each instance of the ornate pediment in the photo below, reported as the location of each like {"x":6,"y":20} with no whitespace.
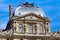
{"x":31,"y":16}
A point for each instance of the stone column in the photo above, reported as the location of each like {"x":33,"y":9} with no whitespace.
{"x":14,"y":26}
{"x":27,"y":28}
{"x":38,"y":29}
{"x":17,"y":28}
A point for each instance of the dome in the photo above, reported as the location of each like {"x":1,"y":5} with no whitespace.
{"x":21,"y":10}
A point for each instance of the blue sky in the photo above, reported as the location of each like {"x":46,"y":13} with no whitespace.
{"x":50,"y":7}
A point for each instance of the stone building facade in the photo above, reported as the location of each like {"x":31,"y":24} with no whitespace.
{"x":28,"y":22}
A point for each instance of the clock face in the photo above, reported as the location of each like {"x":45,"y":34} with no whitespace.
{"x":26,"y":10}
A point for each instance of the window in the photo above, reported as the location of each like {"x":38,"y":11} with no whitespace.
{"x":32,"y":28}
{"x":21,"y":28}
{"x":42,"y":30}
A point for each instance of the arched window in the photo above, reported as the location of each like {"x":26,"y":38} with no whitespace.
{"x":41,"y":29}
{"x":21,"y":28}
{"x":32,"y":28}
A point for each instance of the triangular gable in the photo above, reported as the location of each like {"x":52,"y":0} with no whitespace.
{"x":31,"y":16}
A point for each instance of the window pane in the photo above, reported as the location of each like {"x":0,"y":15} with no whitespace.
{"x":30,"y":28}
{"x":21,"y":29}
{"x":42,"y":30}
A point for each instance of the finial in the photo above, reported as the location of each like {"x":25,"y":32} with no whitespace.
{"x":32,"y":5}
{"x":27,"y":4}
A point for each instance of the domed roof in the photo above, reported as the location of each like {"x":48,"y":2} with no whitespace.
{"x":28,"y":8}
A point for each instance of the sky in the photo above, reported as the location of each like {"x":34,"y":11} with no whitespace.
{"x":50,"y":7}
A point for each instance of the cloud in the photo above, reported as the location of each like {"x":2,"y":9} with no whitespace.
{"x":55,"y":26}
{"x":4,"y":7}
{"x":3,"y":17}
{"x":1,"y":1}
{"x":49,"y":1}
{"x":52,"y":10}
{"x":43,"y":1}
{"x":3,"y":25}
{"x":54,"y":23}
{"x":3,"y":22}
{"x":56,"y":16}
